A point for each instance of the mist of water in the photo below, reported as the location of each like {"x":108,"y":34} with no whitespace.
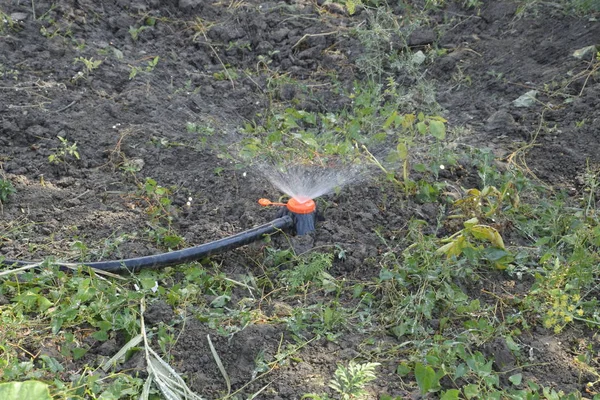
{"x":304,"y":182}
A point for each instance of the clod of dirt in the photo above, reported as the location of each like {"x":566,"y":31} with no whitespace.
{"x":158,"y":312}
{"x":421,"y":37}
{"x":504,"y":359}
{"x":501,"y":120}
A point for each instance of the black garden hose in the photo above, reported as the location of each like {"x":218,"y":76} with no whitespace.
{"x":180,"y":256}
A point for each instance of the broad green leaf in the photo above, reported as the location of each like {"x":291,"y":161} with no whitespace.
{"x":78,"y":352}
{"x":422,"y":127}
{"x":511,"y":344}
{"x":461,"y":370}
{"x":437,"y":129}
{"x":515,"y":379}
{"x":403,"y":369}
{"x":100,"y":335}
{"x":43,"y":303}
{"x":426,"y":377}
{"x":24,"y":390}
{"x":471,"y":391}
{"x":451,"y":394}
{"x":495,"y":254}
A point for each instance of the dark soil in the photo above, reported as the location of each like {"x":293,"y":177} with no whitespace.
{"x":492,"y":58}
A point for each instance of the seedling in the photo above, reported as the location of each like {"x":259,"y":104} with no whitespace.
{"x":89,"y":63}
{"x":6,"y":189}
{"x":135,"y":70}
{"x":64,"y":153}
{"x":135,"y":32}
{"x":350,"y":381}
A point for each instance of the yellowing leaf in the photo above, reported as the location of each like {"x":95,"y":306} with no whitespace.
{"x":408,"y":120}
{"x":454,"y":248}
{"x":486,"y":232}
{"x":471,"y":223}
{"x":402,"y":150}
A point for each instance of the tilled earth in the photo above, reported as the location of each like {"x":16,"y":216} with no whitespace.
{"x":129,"y":128}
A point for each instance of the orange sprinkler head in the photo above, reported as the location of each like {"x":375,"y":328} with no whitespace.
{"x":301,"y":207}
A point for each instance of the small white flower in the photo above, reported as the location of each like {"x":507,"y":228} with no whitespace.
{"x":189,"y":204}
{"x":442,"y":166}
{"x":190,"y":198}
{"x":155,"y":287}
{"x":244,"y":174}
{"x":136,"y":287}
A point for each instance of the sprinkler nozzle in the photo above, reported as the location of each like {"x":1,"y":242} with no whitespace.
{"x":303,"y":212}
{"x":301,"y":207}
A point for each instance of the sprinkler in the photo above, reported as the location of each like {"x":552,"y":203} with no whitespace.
{"x":300,"y":213}
{"x":303,"y":213}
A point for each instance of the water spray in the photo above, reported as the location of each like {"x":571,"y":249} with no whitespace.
{"x":304,"y":212}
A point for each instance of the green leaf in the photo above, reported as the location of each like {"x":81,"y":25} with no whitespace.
{"x":515,"y":379}
{"x":390,"y":120}
{"x":148,"y":283}
{"x":78,"y":352}
{"x":512,"y":345}
{"x":403,"y":369}
{"x":56,"y":324}
{"x":426,"y":377}
{"x":471,"y":391}
{"x":43,"y":303}
{"x":451,"y":394}
{"x":52,"y":363}
{"x":402,"y":150}
{"x":437,"y":129}
{"x":496,"y":254}
{"x":100,"y":335}
{"x":422,"y":128}
{"x":24,"y":390}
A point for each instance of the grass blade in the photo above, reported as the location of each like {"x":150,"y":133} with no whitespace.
{"x":219,"y":364}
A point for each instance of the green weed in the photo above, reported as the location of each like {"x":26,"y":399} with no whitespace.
{"x":6,"y":189}
{"x":161,"y":211}
{"x":64,"y":153}
{"x":135,"y":70}
{"x":350,"y":381}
